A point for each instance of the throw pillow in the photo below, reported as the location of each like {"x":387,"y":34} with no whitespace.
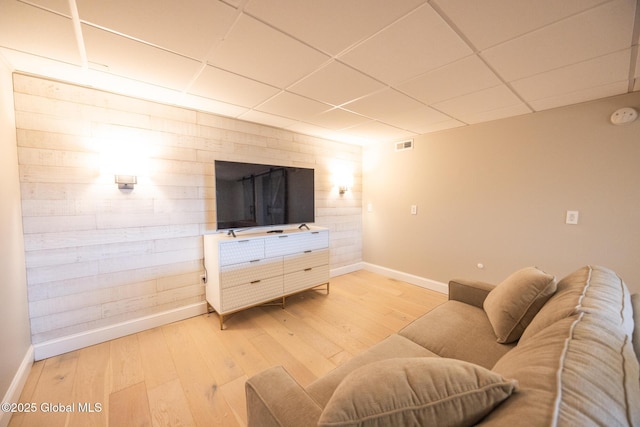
{"x":416,"y":391}
{"x":512,"y":304}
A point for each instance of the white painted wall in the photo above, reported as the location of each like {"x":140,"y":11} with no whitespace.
{"x":497,"y":193}
{"x":14,"y":318}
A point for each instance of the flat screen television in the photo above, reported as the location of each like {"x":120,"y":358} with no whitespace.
{"x":257,"y":195}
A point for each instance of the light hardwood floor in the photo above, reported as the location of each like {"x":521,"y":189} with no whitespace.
{"x":190,"y":373}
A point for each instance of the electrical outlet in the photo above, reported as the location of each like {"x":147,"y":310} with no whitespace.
{"x":414,"y":209}
{"x":572,"y":217}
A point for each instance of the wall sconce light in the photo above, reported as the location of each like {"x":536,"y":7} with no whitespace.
{"x":125,"y":161}
{"x":126,"y":182}
{"x":342,"y":178}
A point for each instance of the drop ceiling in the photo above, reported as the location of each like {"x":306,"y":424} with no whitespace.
{"x":349,"y":70}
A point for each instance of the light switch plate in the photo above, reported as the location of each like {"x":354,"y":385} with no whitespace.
{"x":572,"y":217}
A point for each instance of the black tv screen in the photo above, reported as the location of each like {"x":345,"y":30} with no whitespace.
{"x":256,"y":195}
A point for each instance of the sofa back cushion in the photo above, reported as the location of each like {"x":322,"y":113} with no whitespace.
{"x":590,"y":289}
{"x":581,"y":368}
{"x":512,"y":304}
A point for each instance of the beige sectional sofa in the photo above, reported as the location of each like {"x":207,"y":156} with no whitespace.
{"x":530,"y":351}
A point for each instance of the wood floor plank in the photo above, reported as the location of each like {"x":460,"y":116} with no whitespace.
{"x":236,"y":340}
{"x":327,"y":325}
{"x":293,"y":343}
{"x":303,"y":331}
{"x":234,"y":394}
{"x":130,"y":407}
{"x":217,"y":357}
{"x":200,"y":385}
{"x":155,"y":358}
{"x":192,"y":373}
{"x":55,"y":387}
{"x":168,"y":405}
{"x":91,"y":388}
{"x":276,"y":354}
{"x":126,"y":363}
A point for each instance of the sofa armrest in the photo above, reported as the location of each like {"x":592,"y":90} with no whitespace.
{"x":274,"y":398}
{"x":471,"y":292}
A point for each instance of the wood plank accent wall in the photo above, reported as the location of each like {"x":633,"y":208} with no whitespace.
{"x":96,"y":255}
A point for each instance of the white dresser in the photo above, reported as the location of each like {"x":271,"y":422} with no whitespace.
{"x":252,"y":269}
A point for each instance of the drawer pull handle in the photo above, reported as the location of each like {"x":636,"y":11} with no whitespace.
{"x":308,"y":269}
{"x":255,"y":260}
{"x":255,"y":281}
{"x":307,"y":252}
{"x":242,"y":241}
{"x":282,"y":237}
{"x":315,"y":232}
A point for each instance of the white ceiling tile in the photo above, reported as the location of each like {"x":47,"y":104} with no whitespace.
{"x":337,"y":119}
{"x":288,"y":104}
{"x":137,"y":60}
{"x":188,"y":27}
{"x":309,"y":129}
{"x":467,"y":75}
{"x":597,"y":72}
{"x":435,"y":127}
{"x":377,"y":131}
{"x":267,"y":119}
{"x":30,"y":29}
{"x":422,"y":120}
{"x":489,"y":22}
{"x":498,"y":113}
{"x":420,"y":42}
{"x":596,"y":32}
{"x":336,"y":84}
{"x":231,"y":88}
{"x":256,"y":50}
{"x":212,"y":106}
{"x":384,"y":103}
{"x":493,"y":102}
{"x":330,"y":25}
{"x":60,"y":6}
{"x":583,"y":95}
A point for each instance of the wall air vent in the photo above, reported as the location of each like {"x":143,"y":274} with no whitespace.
{"x":404,"y":145}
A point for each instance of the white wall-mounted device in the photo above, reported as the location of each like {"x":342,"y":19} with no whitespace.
{"x":624,"y":115}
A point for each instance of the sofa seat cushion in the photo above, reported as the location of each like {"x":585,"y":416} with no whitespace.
{"x":576,"y":372}
{"x":416,"y":391}
{"x":391,"y":347}
{"x":458,"y":331}
{"x":512,"y":304}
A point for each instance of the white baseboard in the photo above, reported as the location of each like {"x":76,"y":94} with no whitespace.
{"x":17,"y":384}
{"x":345,"y":269}
{"x":69,"y":343}
{"x":409,"y":278}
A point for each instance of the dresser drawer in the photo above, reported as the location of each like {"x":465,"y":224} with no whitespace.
{"x":246,"y":272}
{"x":286,"y":244}
{"x":307,"y":278}
{"x":305,"y":260}
{"x":251,"y":294}
{"x":238,"y":251}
